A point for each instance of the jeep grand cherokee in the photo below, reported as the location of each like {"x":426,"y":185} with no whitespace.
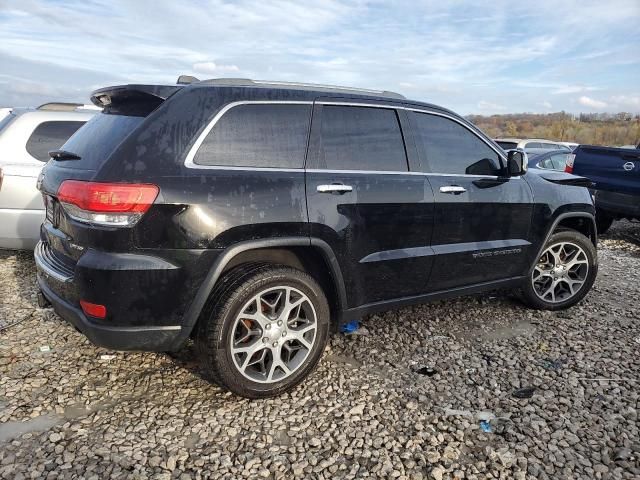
{"x":257,"y":217}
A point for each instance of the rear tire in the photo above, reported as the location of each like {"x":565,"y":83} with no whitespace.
{"x":564,"y":273}
{"x":265,"y":330}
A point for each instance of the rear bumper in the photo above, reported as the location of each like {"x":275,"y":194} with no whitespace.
{"x":145,"y":296}
{"x":618,"y":204}
{"x":155,"y":339}
{"x":20,"y":229}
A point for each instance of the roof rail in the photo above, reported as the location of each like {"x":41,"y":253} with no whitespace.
{"x":61,"y":106}
{"x":305,"y":86}
{"x":228,"y":81}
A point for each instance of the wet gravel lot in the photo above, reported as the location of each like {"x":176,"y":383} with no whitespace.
{"x":422,"y":392}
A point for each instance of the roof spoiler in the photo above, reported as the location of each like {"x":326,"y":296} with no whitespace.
{"x":137,"y":100}
{"x":187,"y":80}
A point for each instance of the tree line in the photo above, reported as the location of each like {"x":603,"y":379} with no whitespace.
{"x":614,"y":129}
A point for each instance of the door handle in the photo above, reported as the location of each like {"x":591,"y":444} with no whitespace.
{"x":453,"y":189}
{"x":337,"y":188}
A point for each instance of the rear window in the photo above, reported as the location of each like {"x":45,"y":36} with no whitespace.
{"x":98,"y":138}
{"x":361,"y":138}
{"x":50,"y":136}
{"x":507,"y":145}
{"x":558,"y":161}
{"x":258,"y":135}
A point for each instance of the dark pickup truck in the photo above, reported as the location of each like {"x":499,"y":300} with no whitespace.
{"x":615,"y":173}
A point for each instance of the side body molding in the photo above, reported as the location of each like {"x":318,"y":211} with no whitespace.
{"x":193,"y":313}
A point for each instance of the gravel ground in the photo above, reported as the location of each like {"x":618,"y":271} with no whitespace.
{"x":409,"y":397}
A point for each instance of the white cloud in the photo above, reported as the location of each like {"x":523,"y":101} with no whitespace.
{"x":547,"y":105}
{"x":591,"y":102}
{"x":627,"y":102}
{"x":574,"y":89}
{"x":490,"y":107}
{"x":449,"y":53}
{"x":213,"y":68}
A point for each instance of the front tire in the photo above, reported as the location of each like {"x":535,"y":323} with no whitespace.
{"x":563,"y":274}
{"x":266,"y":331}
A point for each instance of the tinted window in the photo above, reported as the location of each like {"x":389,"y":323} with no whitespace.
{"x":361,"y":138}
{"x":50,"y":136}
{"x":558,"y":161}
{"x":258,"y":136}
{"x":98,"y":138}
{"x":452,"y":148}
{"x":546,"y":163}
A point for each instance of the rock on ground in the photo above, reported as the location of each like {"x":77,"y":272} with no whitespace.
{"x":67,"y":411}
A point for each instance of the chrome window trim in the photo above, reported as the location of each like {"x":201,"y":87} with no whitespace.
{"x":356,"y":172}
{"x":189,"y":163}
{"x":246,"y":169}
{"x":400,"y":172}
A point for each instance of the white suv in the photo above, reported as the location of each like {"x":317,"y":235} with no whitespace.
{"x":26,"y":137}
{"x":531,"y":145}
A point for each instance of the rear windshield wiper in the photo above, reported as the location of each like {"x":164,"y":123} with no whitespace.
{"x":63,"y":155}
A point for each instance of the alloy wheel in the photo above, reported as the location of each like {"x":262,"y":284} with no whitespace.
{"x":273,"y":334}
{"x":560,"y":272}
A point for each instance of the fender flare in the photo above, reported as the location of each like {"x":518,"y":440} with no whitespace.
{"x":215,"y":272}
{"x":555,"y":223}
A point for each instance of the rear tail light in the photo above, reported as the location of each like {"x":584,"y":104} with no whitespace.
{"x":110,"y":204}
{"x":93,"y":309}
{"x":1,"y":177}
{"x":568,"y":166}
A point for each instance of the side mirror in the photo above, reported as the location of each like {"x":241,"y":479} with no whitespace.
{"x":517,"y":162}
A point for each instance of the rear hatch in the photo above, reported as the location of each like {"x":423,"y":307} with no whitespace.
{"x":610,"y":169}
{"x":82,"y":211}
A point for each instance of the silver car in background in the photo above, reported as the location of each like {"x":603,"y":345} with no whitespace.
{"x":533,"y":146}
{"x":26,"y":137}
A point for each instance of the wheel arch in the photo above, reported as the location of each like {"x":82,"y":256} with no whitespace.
{"x":585,"y":224}
{"x":314,"y":256}
{"x":582,"y":222}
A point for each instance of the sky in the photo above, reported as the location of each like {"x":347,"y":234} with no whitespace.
{"x":472,"y":57}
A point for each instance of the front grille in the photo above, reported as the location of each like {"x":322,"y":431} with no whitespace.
{"x":47,"y":261}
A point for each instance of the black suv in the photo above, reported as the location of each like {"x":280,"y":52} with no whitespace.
{"x":257,"y":217}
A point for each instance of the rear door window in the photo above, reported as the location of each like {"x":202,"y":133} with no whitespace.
{"x":258,"y":135}
{"x":361,"y":138}
{"x":452,"y":148}
{"x":50,"y":136}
